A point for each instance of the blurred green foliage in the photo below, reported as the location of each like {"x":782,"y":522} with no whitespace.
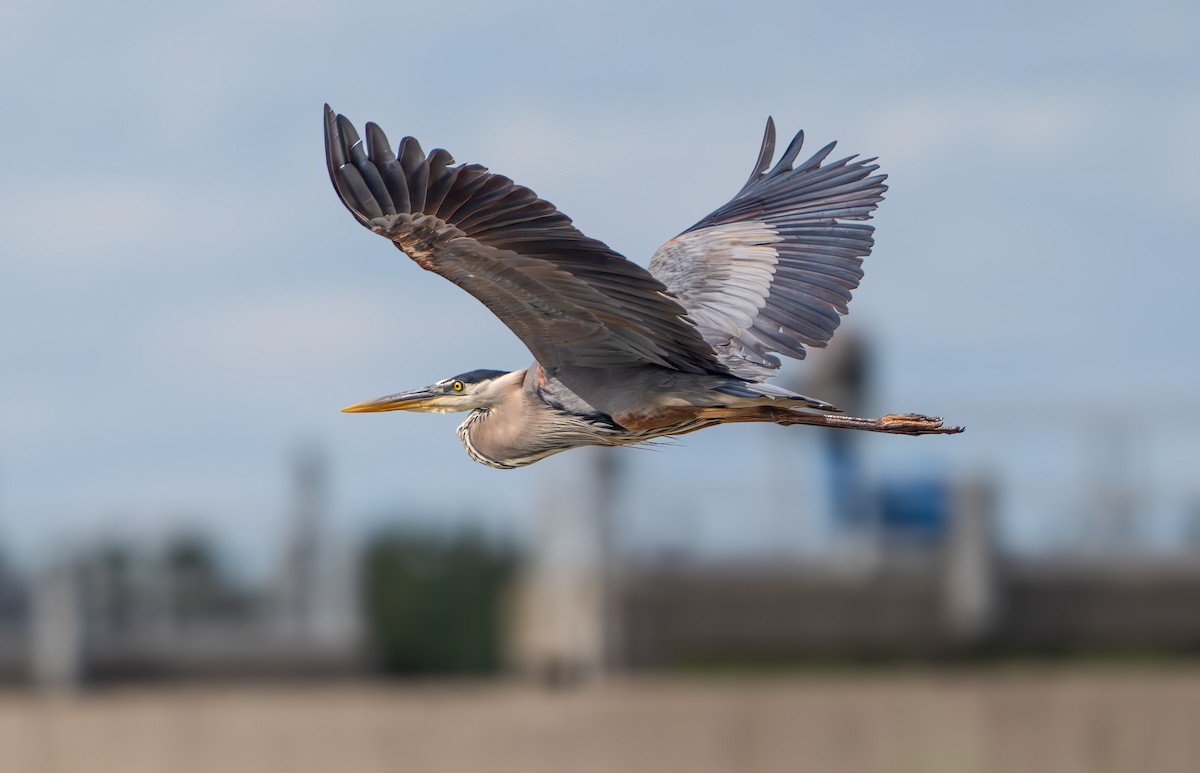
{"x":435,"y":604}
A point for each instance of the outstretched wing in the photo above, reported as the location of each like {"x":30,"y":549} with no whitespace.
{"x":569,"y":298}
{"x":772,"y":270}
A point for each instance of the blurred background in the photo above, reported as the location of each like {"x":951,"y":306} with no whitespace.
{"x":204,"y":565}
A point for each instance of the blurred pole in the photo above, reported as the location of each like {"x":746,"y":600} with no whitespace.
{"x":56,"y":641}
{"x":565,"y":626}
{"x":844,"y":375}
{"x":606,"y":479}
{"x":1111,"y":526}
{"x":970,"y":593}
{"x":300,"y":576}
{"x":795,"y":526}
{"x":1191,"y":525}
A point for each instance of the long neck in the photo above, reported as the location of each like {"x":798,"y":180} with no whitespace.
{"x":492,"y":434}
{"x":517,"y":428}
{"x":475,"y":438}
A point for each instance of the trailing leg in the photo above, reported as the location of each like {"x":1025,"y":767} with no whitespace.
{"x":893,"y":423}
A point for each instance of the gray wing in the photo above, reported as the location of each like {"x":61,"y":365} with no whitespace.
{"x":772,"y":270}
{"x":569,"y":298}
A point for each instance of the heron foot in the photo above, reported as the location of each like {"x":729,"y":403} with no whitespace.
{"x":916,"y":424}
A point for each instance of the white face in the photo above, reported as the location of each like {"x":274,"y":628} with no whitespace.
{"x":450,"y":396}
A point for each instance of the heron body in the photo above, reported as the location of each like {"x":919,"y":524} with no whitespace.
{"x":623,"y":355}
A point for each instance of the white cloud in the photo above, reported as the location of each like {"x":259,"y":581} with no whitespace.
{"x":23,"y":25}
{"x":84,"y":225}
{"x":1181,"y":172}
{"x":291,"y":335}
{"x":1160,"y":31}
{"x":917,"y":128}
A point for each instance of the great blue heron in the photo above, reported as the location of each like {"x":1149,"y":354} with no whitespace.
{"x":624,"y":355}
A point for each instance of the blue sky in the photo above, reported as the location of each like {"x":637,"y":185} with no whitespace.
{"x":183,"y":299}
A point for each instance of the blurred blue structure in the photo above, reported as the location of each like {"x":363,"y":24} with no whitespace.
{"x":914,"y":511}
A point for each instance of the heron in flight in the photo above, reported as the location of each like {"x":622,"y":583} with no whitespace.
{"x":624,"y":354}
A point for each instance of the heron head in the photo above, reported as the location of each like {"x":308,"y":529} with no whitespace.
{"x":464,"y":392}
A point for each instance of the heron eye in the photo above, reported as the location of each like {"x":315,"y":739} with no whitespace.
{"x":457,"y":386}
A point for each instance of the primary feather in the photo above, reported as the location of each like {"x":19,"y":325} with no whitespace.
{"x":773,"y":269}
{"x":569,"y":298}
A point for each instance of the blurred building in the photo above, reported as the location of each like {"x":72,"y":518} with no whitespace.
{"x":941,"y":583}
{"x":579,"y":600}
{"x":118,"y":610}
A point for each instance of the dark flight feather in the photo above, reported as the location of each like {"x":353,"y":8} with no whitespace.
{"x":571,"y":299}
